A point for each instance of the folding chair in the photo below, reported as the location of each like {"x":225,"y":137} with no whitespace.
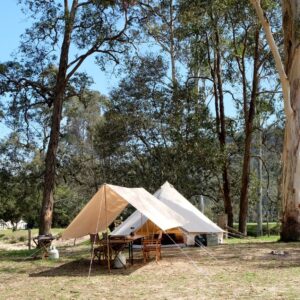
{"x":98,"y":250}
{"x":152,"y":244}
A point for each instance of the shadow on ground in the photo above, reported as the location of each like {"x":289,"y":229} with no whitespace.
{"x":80,"y":268}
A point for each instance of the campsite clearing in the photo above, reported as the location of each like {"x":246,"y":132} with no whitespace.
{"x":230,"y":271}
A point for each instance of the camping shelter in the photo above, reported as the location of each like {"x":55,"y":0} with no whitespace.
{"x":110,"y":201}
{"x":195,"y":222}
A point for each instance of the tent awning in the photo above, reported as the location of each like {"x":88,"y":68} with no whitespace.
{"x":110,"y":201}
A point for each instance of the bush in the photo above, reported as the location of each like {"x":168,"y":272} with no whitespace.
{"x":22,"y":239}
{"x":274,"y":228}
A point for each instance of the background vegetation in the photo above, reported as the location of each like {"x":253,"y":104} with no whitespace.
{"x":197,"y":103}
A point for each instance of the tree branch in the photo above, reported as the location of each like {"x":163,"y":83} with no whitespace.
{"x":95,"y":48}
{"x":278,"y":61}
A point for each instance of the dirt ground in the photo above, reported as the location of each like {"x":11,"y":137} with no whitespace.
{"x":230,"y":271}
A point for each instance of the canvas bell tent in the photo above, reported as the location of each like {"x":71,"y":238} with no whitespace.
{"x":110,"y":200}
{"x":195,"y":222}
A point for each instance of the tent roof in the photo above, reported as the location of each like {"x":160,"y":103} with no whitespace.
{"x":135,"y":221}
{"x":109,"y":202}
{"x":195,"y":220}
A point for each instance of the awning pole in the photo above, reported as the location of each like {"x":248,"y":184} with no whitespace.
{"x":107,"y":240}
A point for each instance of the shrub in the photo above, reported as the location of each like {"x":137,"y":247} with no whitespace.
{"x":22,"y":239}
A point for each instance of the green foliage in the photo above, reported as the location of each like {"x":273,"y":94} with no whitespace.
{"x":272,"y":229}
{"x":19,"y":187}
{"x":154,"y":133}
{"x":151,"y":128}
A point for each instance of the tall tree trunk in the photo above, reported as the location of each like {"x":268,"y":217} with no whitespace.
{"x":290,"y":230}
{"x":249,"y":117}
{"x":216,"y":74}
{"x":259,"y":229}
{"x":290,"y":81}
{"x":222,"y":139}
{"x":172,"y":45}
{"x":222,"y":132}
{"x":245,"y":181}
{"x":50,"y":162}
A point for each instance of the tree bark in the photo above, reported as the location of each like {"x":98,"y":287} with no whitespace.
{"x":290,"y":230}
{"x":172,"y":46}
{"x":259,"y":229}
{"x":290,"y":81}
{"x":220,"y":119}
{"x":222,"y":135}
{"x":249,"y":118}
{"x":50,"y":161}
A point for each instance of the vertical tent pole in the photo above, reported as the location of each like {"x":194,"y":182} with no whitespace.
{"x":147,"y":227}
{"x":29,"y":239}
{"x":93,"y":240}
{"x":107,"y":240}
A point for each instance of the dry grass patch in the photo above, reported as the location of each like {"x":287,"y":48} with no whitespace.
{"x":230,"y":271}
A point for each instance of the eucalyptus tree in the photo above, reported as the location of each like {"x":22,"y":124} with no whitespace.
{"x":289,"y":76}
{"x":146,"y":143}
{"x":63,"y":35}
{"x":161,"y":24}
{"x":229,"y":55}
{"x":251,"y":65}
{"x":204,"y":28}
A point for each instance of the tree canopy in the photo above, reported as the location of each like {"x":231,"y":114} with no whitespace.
{"x":197,"y":102}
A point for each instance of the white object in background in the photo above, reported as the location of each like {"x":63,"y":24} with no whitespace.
{"x":53,"y":253}
{"x":120,"y":261}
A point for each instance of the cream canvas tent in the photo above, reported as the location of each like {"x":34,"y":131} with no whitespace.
{"x":109,"y":202}
{"x":195,"y":221}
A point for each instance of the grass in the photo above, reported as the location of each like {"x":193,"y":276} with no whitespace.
{"x":12,"y":237}
{"x":239,"y":269}
{"x":249,"y":239}
{"x":272,"y":228}
{"x":16,"y":254}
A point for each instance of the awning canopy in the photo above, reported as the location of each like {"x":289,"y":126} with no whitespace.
{"x":110,"y":201}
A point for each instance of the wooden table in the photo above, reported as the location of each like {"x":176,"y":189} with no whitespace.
{"x":43,"y":242}
{"x":118,"y":243}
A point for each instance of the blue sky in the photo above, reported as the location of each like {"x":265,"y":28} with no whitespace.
{"x":13,"y":23}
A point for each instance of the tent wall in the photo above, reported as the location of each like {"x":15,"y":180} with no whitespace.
{"x":195,"y":221}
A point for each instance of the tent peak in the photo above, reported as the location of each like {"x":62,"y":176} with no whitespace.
{"x":167,"y":184}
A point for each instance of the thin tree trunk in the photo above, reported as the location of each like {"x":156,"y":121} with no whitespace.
{"x":248,"y":139}
{"x":259,"y":230}
{"x":222,"y":139}
{"x":245,"y":181}
{"x":50,"y":161}
{"x":172,"y":46}
{"x":222,"y":135}
{"x":220,"y":120}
